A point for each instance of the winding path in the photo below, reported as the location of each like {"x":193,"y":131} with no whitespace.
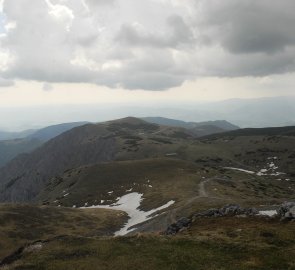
{"x":169,"y":217}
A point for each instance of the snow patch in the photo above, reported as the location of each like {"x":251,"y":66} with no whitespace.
{"x":130,"y":203}
{"x":238,"y":169}
{"x":269,"y":213}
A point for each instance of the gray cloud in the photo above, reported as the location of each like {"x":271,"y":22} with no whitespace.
{"x":178,"y":34}
{"x":152,"y":45}
{"x":250,"y":26}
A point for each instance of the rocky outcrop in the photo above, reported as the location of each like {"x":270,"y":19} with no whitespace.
{"x":287,"y":211}
{"x":228,"y":210}
{"x":181,"y":224}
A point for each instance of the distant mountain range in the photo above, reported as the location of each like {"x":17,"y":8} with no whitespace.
{"x":5,"y":135}
{"x":131,"y":139}
{"x":27,"y":141}
{"x":272,"y":131}
{"x":198,"y":129}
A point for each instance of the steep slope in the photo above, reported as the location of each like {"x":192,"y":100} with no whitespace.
{"x":11,"y":148}
{"x":128,"y":138}
{"x":27,"y":141}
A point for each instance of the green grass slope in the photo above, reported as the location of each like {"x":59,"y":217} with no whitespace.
{"x":22,"y":224}
{"x":228,"y":243}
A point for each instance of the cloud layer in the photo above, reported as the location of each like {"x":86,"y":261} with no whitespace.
{"x":147,"y":44}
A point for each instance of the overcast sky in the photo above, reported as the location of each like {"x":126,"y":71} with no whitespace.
{"x":102,"y":51}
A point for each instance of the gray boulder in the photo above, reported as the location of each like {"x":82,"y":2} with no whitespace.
{"x":287,"y":211}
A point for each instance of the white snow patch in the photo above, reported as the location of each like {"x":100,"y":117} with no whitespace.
{"x":263,"y":170}
{"x":150,"y":186}
{"x":67,"y":194}
{"x":238,"y":169}
{"x":130,"y":203}
{"x":277,"y":174}
{"x":129,"y":190}
{"x":110,"y":192}
{"x":269,"y":213}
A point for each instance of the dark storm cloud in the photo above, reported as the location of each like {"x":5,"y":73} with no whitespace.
{"x":248,"y":26}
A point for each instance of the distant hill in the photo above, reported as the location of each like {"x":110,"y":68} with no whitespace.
{"x":9,"y":149}
{"x":271,"y":131}
{"x":124,"y":139}
{"x":199,"y":129}
{"x":47,"y":133}
{"x":5,"y":135}
{"x":24,"y":142}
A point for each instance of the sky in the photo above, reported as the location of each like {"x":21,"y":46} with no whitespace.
{"x":70,"y":52}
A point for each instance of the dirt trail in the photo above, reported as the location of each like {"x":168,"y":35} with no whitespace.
{"x":162,"y":221}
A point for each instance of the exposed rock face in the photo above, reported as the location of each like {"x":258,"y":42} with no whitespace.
{"x":228,"y":210}
{"x":287,"y":211}
{"x":182,"y":223}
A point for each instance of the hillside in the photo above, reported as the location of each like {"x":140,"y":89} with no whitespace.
{"x":27,"y":141}
{"x":129,"y":138}
{"x":22,"y":224}
{"x":11,"y":148}
{"x":270,"y":131}
{"x":229,"y":243}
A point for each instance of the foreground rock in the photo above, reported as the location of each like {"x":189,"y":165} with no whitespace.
{"x":228,"y":210}
{"x":287,"y":211}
